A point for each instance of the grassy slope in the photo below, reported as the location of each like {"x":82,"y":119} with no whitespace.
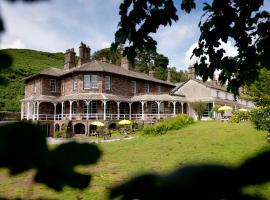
{"x":228,"y":144}
{"x":25,"y":63}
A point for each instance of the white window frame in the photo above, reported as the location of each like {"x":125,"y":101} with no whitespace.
{"x":53,"y":86}
{"x":133,"y":87}
{"x":75,"y":84}
{"x":108,"y":83}
{"x":90,"y":81}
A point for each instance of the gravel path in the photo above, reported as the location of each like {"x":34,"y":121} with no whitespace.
{"x":51,"y":140}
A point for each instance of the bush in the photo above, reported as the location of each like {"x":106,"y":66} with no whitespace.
{"x":239,"y":116}
{"x":174,"y":123}
{"x":199,"y":108}
{"x":260,"y":117}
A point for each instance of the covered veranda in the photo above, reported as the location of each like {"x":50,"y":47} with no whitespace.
{"x":100,"y":106}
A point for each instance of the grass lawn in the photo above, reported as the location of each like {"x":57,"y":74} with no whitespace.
{"x":215,"y":142}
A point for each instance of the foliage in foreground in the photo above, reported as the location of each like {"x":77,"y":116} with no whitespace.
{"x":23,"y":146}
{"x":260,"y":117}
{"x":201,"y":181}
{"x":174,"y":123}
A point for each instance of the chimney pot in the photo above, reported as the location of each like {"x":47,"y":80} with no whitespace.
{"x":84,"y":54}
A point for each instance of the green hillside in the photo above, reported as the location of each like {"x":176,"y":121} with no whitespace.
{"x":25,"y":63}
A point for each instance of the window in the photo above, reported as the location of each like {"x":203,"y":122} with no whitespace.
{"x":133,"y":87}
{"x":52,"y":85}
{"x":108,"y":83}
{"x":34,"y":87}
{"x":75,"y":84}
{"x":148,"y":89}
{"x":90,"y":81}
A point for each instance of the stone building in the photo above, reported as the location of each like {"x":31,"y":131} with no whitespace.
{"x":90,"y":90}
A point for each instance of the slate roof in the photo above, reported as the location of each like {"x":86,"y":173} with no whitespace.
{"x":99,"y":66}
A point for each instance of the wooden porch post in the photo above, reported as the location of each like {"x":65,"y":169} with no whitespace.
{"x":62,"y":110}
{"x":70,"y":110}
{"x":130,"y":103}
{"x":54,"y":112}
{"x":104,"y":109}
{"x":118,"y":110}
{"x":174,"y":104}
{"x":22,"y":110}
{"x":38,"y":110}
{"x":28,"y":110}
{"x":158,"y":108}
{"x":142,"y":102}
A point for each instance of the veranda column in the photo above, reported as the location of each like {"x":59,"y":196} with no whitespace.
{"x":118,"y":110}
{"x":54,"y":112}
{"x":22,"y":108}
{"x":70,"y":110}
{"x":214,"y":113}
{"x":87,"y":110}
{"x":182,"y":109}
{"x":130,"y":103}
{"x":28,"y":110}
{"x":62,"y":110}
{"x":174,"y":104}
{"x":38,"y":110}
{"x":104,"y":109}
{"x":189,"y":111}
{"x":142,"y":102}
{"x":34,"y":111}
{"x":158,"y":108}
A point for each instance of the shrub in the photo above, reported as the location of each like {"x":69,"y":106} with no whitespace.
{"x":199,"y":108}
{"x":174,"y":123}
{"x":239,"y":116}
{"x":260,"y":117}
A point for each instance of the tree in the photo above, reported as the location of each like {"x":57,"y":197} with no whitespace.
{"x":178,"y":76}
{"x":113,"y":57}
{"x":199,"y":108}
{"x":259,"y":91}
{"x":242,"y":22}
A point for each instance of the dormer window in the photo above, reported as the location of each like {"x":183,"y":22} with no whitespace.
{"x":75,"y":84}
{"x":107,"y":83}
{"x":133,"y":87}
{"x":53,"y":85}
{"x":90,"y":81}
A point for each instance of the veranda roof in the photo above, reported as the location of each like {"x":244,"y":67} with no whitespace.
{"x":104,"y":96}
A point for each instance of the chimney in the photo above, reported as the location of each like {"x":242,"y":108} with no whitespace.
{"x":191,"y":72}
{"x":152,"y":74}
{"x":84,"y":54}
{"x":69,"y":59}
{"x":125,"y":63}
{"x":215,"y":81}
{"x":169,"y":75}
